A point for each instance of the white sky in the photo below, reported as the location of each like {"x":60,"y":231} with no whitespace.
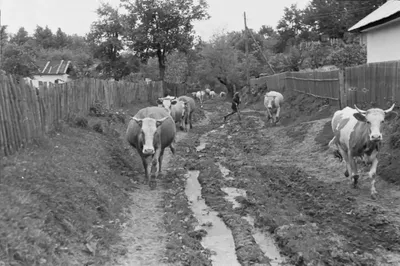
{"x":76,"y":16}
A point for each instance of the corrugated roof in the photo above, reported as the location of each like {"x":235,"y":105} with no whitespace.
{"x":53,"y":67}
{"x":388,"y":9}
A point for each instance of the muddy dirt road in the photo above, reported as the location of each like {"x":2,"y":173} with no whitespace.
{"x":282,"y":196}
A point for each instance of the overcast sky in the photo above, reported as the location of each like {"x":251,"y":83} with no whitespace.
{"x":75,"y":16}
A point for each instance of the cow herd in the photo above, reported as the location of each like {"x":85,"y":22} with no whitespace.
{"x":207,"y":93}
{"x":357,"y":133}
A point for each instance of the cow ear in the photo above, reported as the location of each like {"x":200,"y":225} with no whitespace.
{"x":391,"y":115}
{"x":160,"y":121}
{"x":139,"y":121}
{"x":174,"y":102}
{"x":360,"y":117}
{"x":159,"y":101}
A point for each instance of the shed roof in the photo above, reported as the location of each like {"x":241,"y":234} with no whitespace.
{"x":381,"y":15}
{"x":53,"y":67}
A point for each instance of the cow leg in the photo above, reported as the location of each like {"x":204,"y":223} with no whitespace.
{"x":372,"y":173}
{"x":160,"y":161}
{"x":238,"y":112}
{"x":354,"y":173}
{"x":172,"y":147}
{"x":278,"y":111}
{"x":190,"y":119}
{"x":268,"y":115}
{"x":155,"y":169}
{"x":147,"y":162}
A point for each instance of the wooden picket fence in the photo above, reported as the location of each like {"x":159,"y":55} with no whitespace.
{"x":27,"y":113}
{"x":373,"y":84}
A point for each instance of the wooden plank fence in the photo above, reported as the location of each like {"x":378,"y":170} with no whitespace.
{"x":27,"y":113}
{"x":373,"y":84}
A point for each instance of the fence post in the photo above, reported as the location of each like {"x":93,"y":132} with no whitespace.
{"x":342,"y":91}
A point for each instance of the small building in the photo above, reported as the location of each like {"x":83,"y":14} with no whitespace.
{"x":380,"y":32}
{"x":54,"y":71}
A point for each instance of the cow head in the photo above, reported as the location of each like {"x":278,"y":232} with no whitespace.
{"x":148,"y":133}
{"x":373,"y":118}
{"x":270,"y":101}
{"x":167,"y":102}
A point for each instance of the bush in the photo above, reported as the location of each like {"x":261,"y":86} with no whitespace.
{"x":81,"y":122}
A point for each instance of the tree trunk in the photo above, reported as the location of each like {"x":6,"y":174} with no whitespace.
{"x":229,"y":87}
{"x":161,"y":63}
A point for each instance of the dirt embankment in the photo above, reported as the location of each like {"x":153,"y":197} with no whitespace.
{"x":61,"y":200}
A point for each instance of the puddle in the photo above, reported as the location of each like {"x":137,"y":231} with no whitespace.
{"x":219,"y":238}
{"x":266,"y":244}
{"x":225,"y":172}
{"x":232,"y":194}
{"x":203,"y":142}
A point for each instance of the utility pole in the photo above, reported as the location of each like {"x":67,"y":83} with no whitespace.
{"x":246,"y":43}
{"x":1,"y":43}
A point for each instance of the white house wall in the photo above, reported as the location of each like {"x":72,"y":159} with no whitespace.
{"x":51,"y":78}
{"x":383,"y":43}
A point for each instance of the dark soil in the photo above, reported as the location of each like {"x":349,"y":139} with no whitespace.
{"x":61,"y":201}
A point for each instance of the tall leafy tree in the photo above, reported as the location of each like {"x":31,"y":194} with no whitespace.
{"x":44,"y":37}
{"x":60,"y":39}
{"x":106,"y":38}
{"x":334,"y":17}
{"x":21,"y":37}
{"x":18,"y":60}
{"x":156,"y":28}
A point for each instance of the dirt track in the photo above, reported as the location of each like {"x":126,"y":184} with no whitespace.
{"x":295,"y":189}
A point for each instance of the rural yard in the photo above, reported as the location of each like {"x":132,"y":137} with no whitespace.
{"x":235,"y":193}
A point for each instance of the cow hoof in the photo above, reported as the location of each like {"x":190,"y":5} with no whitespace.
{"x":374,"y":196}
{"x":346,"y":174}
{"x":181,"y":128}
{"x":153,"y":184}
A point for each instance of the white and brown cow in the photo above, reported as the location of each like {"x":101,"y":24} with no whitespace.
{"x":150,"y":131}
{"x":189,"y":109}
{"x":357,"y":134}
{"x":175,"y":107}
{"x":273,"y":101}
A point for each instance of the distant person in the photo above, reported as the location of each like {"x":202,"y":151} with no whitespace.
{"x":235,"y":106}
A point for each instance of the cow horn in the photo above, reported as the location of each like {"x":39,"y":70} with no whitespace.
{"x":390,"y":109}
{"x":359,"y":110}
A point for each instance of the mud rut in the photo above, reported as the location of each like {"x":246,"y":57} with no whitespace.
{"x":377,"y":222}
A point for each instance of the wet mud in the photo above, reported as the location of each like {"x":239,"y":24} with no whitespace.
{"x":295,"y":192}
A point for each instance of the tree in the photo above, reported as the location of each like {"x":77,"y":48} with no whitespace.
{"x":290,"y":28}
{"x":106,"y":38}
{"x":177,"y":69}
{"x":349,"y":55}
{"x":44,"y":37}
{"x":21,"y":37}
{"x":156,"y":28}
{"x":335,"y":17}
{"x":60,"y":39}
{"x":18,"y":60}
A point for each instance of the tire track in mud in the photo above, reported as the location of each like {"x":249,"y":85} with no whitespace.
{"x":212,"y":180}
{"x":144,"y":238}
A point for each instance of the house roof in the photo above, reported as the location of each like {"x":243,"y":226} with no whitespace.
{"x":53,"y":67}
{"x":383,"y":14}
